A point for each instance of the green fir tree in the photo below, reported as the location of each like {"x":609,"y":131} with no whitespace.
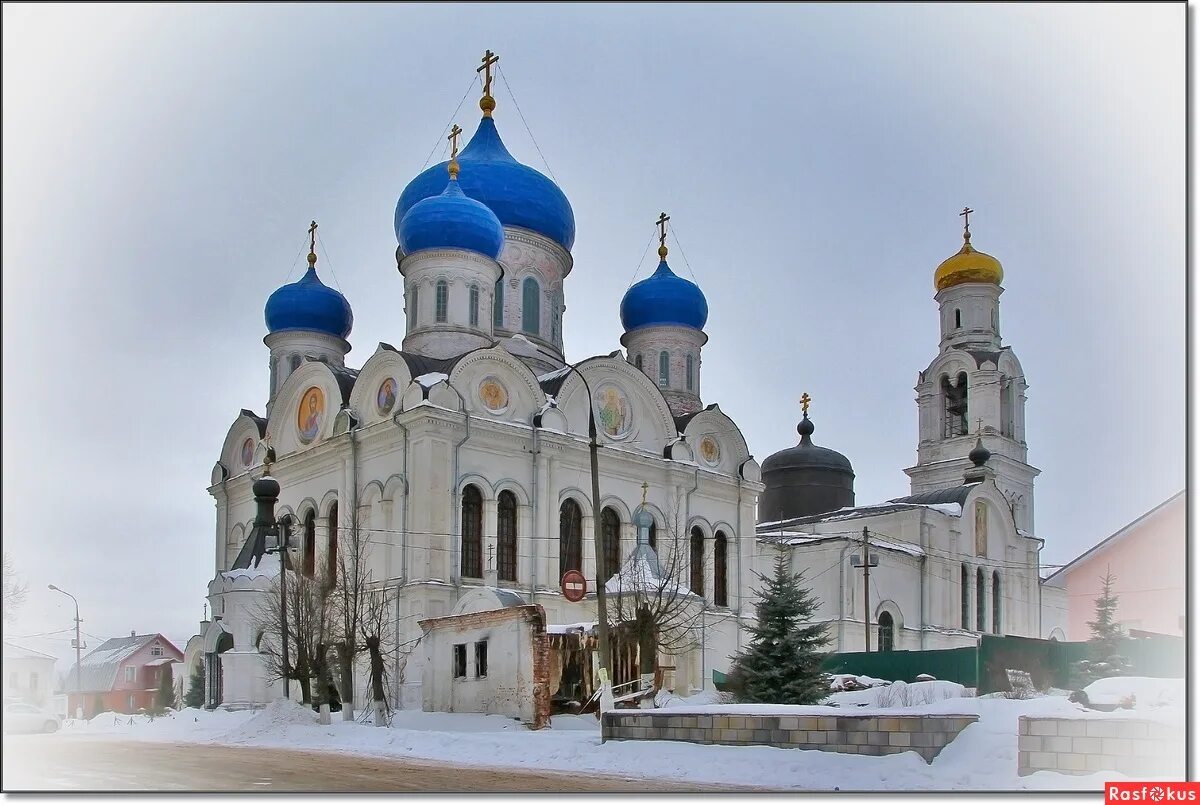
{"x":782,"y":662}
{"x":166,"y":690}
{"x":195,"y":692}
{"x":1105,"y":643}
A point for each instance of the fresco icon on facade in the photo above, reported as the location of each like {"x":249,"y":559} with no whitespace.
{"x":710,"y":451}
{"x":493,"y":394}
{"x":310,"y":414}
{"x":385,"y":398}
{"x":247,"y":452}
{"x":613,"y":411}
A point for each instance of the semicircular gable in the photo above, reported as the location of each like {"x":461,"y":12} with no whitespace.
{"x":371,"y":401}
{"x":951,"y":363}
{"x":716,"y":441}
{"x":630,"y":410}
{"x":286,"y":423}
{"x":1009,"y":365}
{"x":496,"y":385}
{"x":236,"y":455}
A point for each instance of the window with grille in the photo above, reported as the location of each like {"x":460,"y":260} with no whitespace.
{"x":498,"y":304}
{"x":980,"y":624}
{"x":996,"y":602}
{"x":472,"y":533}
{"x":412,"y":313}
{"x":664,"y":369}
{"x":332,"y":548}
{"x":965,"y":595}
{"x":610,"y":528}
{"x":887,"y":632}
{"x":720,"y":570}
{"x":460,"y":661}
{"x":442,"y":299}
{"x":570,"y":537}
{"x":697,"y":561}
{"x":474,"y":302}
{"x":689,"y":373}
{"x":637,"y":361}
{"x":310,"y":543}
{"x":506,"y":536}
{"x":156,"y":650}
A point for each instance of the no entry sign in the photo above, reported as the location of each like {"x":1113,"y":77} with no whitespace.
{"x":574,"y":586}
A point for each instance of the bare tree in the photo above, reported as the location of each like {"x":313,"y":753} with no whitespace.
{"x":352,"y":575}
{"x":308,"y":619}
{"x":650,"y":596}
{"x":378,"y":608}
{"x":14,"y":590}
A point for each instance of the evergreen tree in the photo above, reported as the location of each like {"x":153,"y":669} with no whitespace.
{"x":166,"y":690}
{"x":195,"y":691}
{"x":1106,"y":639}
{"x":782,"y":662}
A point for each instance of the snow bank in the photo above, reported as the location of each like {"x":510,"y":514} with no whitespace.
{"x":1148,"y":693}
{"x":982,"y":758}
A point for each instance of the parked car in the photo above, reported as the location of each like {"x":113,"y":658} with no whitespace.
{"x":21,"y":717}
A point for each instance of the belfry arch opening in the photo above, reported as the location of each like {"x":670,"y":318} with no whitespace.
{"x":954,"y":395}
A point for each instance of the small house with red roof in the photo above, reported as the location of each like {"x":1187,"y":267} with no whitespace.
{"x":122,"y":675}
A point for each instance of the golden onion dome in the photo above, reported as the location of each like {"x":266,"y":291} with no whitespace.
{"x":968,"y":265}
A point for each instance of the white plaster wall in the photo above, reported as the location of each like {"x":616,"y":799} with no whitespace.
{"x":460,"y":270}
{"x":508,"y":687}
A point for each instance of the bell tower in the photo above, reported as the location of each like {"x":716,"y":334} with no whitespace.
{"x":974,"y":389}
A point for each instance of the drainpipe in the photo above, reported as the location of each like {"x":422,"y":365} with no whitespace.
{"x":921,"y":607}
{"x":403,"y":558}
{"x":537,"y":420}
{"x":456,"y":514}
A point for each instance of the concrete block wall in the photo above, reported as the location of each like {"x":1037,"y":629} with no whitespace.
{"x":859,"y":735}
{"x":1088,"y":745}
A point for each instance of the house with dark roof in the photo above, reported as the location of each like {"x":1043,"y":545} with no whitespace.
{"x":121,"y":675}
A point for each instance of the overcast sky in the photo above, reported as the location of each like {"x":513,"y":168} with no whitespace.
{"x":162,"y":163}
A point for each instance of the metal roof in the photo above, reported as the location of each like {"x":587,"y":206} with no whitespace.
{"x":100,"y":666}
{"x":954,"y":494}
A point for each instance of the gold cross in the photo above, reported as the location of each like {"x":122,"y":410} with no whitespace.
{"x":489,"y":59}
{"x":453,"y":138}
{"x":966,"y":216}
{"x":645,"y":489}
{"x":663,"y":228}
{"x":804,"y":401}
{"x":979,"y":425}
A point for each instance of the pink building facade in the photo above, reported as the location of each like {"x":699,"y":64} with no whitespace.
{"x":1148,"y":563}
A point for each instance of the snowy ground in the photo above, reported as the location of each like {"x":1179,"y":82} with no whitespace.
{"x":982,"y":758}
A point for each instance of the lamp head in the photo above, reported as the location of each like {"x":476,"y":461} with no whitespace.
{"x":52,"y":587}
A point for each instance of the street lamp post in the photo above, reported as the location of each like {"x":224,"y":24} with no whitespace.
{"x":78,"y":654}
{"x":597,"y":533}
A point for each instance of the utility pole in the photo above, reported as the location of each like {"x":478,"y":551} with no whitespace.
{"x":867,"y":561}
{"x":78,"y":654}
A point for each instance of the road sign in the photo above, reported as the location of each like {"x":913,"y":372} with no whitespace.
{"x":574,"y":586}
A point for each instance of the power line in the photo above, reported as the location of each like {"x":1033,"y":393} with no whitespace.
{"x":449,"y":123}
{"x":500,"y":72}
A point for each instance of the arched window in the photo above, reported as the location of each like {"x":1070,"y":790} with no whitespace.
{"x":690,"y":369}
{"x":697,"y":563}
{"x":654,"y":535}
{"x":554,"y":322}
{"x":498,"y":304}
{"x":472,"y":533}
{"x":966,"y":603}
{"x":415,"y":308}
{"x":570,"y":537}
{"x":637,"y":361}
{"x":664,"y":369}
{"x":332,"y":547}
{"x":506,"y":536}
{"x":887,"y":631}
{"x":980,"y":623}
{"x":610,"y":528}
{"x":531,"y":313}
{"x":720,"y":570}
{"x":957,"y":318}
{"x":443,"y":300}
{"x":309,"y":558}
{"x":293,"y":362}
{"x":955,"y":397}
{"x":995,"y":602}
{"x":473,"y":295}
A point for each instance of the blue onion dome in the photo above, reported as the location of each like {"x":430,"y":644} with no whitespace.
{"x":451,"y":220}
{"x":517,"y":194}
{"x":664,"y":298}
{"x":309,"y":304}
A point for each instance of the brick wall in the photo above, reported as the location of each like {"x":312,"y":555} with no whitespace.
{"x":1086,"y":745}
{"x":859,"y":735}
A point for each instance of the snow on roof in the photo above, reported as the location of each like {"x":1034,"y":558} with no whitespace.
{"x":559,"y":628}
{"x":432,"y":379}
{"x":268,"y":566}
{"x":161,"y":661}
{"x":100,"y":666}
{"x":638,"y":576}
{"x":805,"y":538}
{"x":557,"y":373}
{"x":14,"y":652}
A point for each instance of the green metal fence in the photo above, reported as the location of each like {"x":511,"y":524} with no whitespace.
{"x":1048,"y":662}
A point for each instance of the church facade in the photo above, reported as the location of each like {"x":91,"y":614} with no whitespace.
{"x":957,"y":557}
{"x":464,"y":453}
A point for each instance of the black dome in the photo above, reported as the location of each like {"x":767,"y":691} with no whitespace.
{"x":805,"y":480}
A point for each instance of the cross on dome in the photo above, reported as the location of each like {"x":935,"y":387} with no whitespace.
{"x":487,"y":103}
{"x":312,"y":244}
{"x":662,"y":234}
{"x":966,"y":216}
{"x":452,"y":167}
{"x":804,"y":401}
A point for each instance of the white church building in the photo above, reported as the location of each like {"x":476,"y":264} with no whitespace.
{"x":465,"y":451}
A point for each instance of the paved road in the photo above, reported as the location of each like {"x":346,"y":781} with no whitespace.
{"x":70,"y":763}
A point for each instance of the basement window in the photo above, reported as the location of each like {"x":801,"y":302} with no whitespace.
{"x":460,"y":661}
{"x":481,"y":659}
